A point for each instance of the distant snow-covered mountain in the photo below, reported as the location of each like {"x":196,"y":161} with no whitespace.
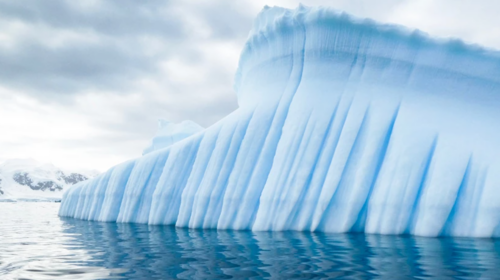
{"x":28,"y":179}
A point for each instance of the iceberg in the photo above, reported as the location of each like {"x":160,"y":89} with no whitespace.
{"x":168,"y":133}
{"x":343,"y":125}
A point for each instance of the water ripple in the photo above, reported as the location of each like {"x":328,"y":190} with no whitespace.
{"x":36,"y":244}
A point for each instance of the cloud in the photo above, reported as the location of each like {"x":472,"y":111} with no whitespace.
{"x":82,"y":83}
{"x":62,"y":47}
{"x":110,"y":69}
{"x":113,"y":18}
{"x":473,"y":21}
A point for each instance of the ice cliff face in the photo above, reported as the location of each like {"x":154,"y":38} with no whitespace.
{"x":343,"y":125}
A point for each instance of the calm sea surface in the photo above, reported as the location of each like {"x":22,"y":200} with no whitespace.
{"x":36,"y":244}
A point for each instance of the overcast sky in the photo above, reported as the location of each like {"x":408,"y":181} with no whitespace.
{"x":82,"y":83}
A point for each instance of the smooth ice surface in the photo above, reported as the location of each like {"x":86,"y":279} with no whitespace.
{"x":343,"y":125}
{"x":168,"y":133}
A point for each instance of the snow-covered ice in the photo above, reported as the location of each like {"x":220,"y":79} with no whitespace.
{"x":343,"y":125}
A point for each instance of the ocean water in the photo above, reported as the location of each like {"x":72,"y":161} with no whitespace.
{"x":36,"y":244}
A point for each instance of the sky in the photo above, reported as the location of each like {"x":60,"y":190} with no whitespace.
{"x":83,"y":83}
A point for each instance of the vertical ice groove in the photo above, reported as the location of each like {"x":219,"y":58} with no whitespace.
{"x":477,"y":198}
{"x":355,"y":153}
{"x":318,"y":179}
{"x":252,"y":194}
{"x":203,"y":194}
{"x":359,"y":224}
{"x":465,"y":212}
{"x":299,"y":205}
{"x":447,"y":227}
{"x":70,"y":198}
{"x":202,"y":163}
{"x":86,"y":200}
{"x":245,"y":166}
{"x":98,"y":196}
{"x":412,"y":221}
{"x":140,"y":186}
{"x":468,"y":204}
{"x":265,"y":161}
{"x":78,"y":199}
{"x":114,"y":191}
{"x":287,"y":199}
{"x":145,"y":200}
{"x":177,"y":170}
{"x":273,"y":189}
{"x":215,"y":204}
{"x":327,"y":191}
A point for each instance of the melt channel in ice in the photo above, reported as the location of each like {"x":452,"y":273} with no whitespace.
{"x":343,"y":125}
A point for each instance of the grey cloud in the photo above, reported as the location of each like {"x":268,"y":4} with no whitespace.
{"x":114,"y":18}
{"x":105,"y":48}
{"x":128,"y":134}
{"x":112,"y":63}
{"x":138,"y":122}
{"x":111,"y":53}
{"x":227,"y":19}
{"x":43,"y":72}
{"x":117,"y":59}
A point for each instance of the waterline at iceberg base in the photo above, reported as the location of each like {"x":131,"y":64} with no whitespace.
{"x":343,"y":125}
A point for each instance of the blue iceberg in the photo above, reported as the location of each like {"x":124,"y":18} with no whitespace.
{"x":168,"y":133}
{"x":343,"y":125}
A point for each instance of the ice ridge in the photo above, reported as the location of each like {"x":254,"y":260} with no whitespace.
{"x":343,"y":125}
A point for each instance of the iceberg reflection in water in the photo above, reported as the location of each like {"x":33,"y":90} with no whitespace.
{"x":168,"y":252}
{"x":36,"y":244}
